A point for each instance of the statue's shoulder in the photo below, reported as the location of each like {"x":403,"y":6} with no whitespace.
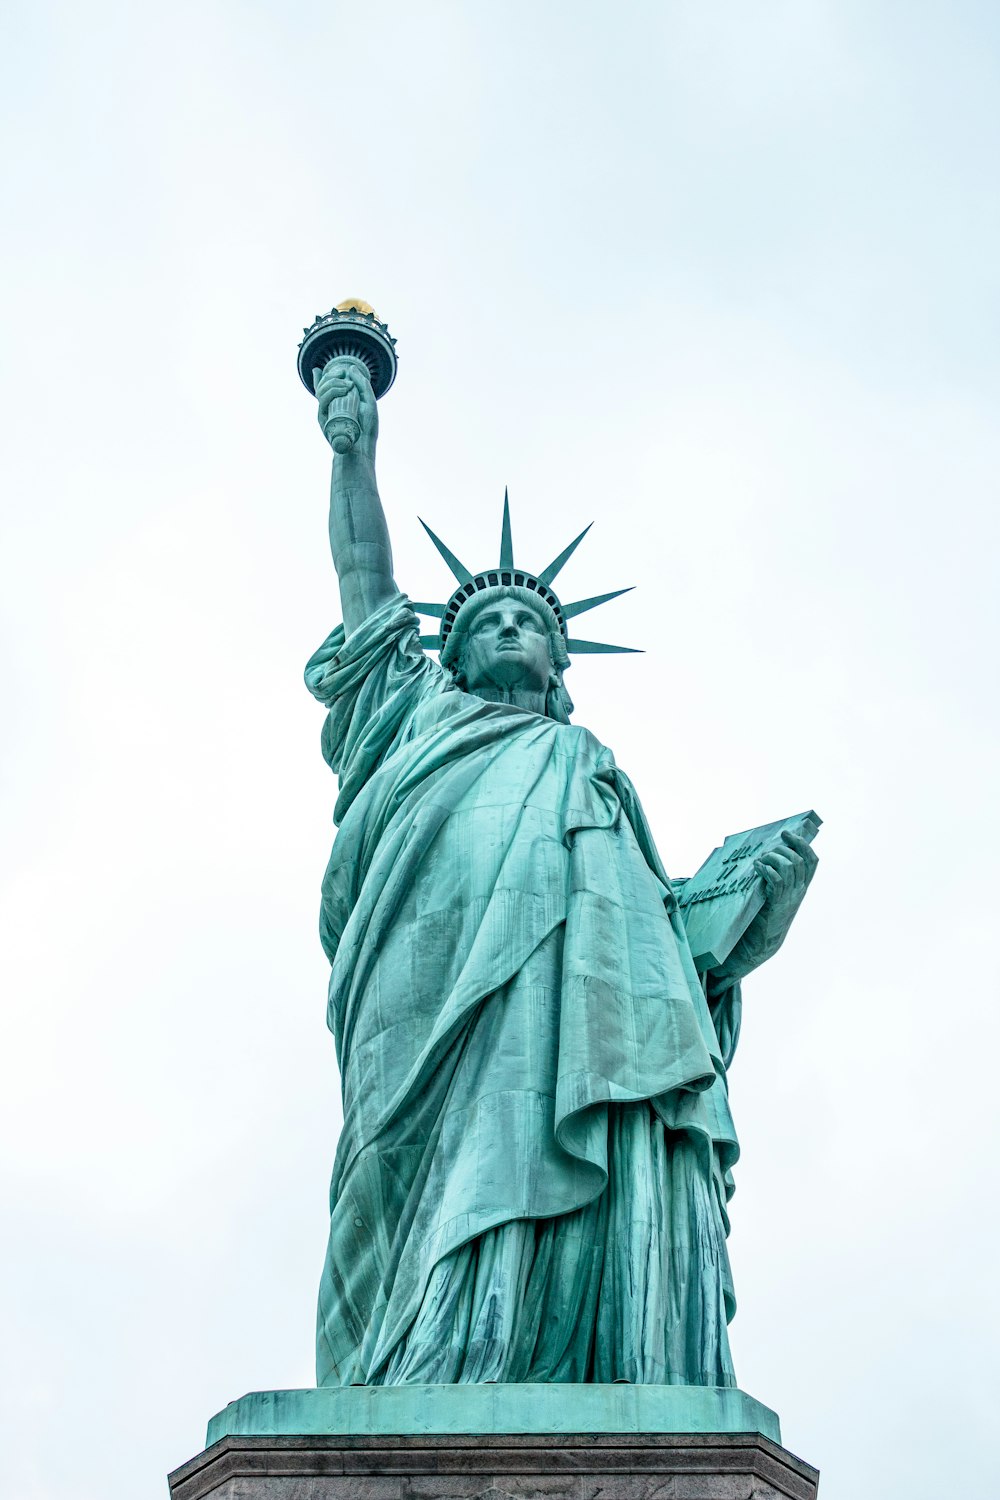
{"x":591,"y":742}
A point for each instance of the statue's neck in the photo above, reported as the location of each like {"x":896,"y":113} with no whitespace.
{"x":520,"y":697}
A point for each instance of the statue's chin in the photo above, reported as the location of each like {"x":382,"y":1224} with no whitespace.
{"x":510,"y":676}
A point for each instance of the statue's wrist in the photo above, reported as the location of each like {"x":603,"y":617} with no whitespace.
{"x":354,"y":465}
{"x":736,"y":967}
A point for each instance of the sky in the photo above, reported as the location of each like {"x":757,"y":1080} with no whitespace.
{"x":723,"y":278}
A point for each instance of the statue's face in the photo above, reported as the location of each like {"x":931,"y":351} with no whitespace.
{"x":506,"y":645}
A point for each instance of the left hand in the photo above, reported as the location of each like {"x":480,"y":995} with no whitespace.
{"x":786,"y":873}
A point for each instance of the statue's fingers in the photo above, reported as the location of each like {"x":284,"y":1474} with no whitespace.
{"x":332,"y":368}
{"x":355,"y":379}
{"x":794,"y":867}
{"x":808,"y":860}
{"x":331,"y":389}
{"x":341,"y":369}
{"x":801,"y":852}
{"x":777,"y":859}
{"x":783,"y":871}
{"x":363,"y":385}
{"x":801,"y":846}
{"x":798,"y":872}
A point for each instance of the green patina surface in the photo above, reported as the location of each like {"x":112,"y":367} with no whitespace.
{"x":372,"y":1411}
{"x":532,"y":1181}
{"x":722,"y":898}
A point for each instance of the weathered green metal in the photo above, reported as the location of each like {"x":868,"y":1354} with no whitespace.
{"x":506,"y":540}
{"x":724,"y":895}
{"x":581,"y":606}
{"x":369,"y":1411}
{"x":459,"y":569}
{"x":353,"y":330}
{"x":551,"y":573}
{"x":507,"y":575}
{"x":537,"y":1150}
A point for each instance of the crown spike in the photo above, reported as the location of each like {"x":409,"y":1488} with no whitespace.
{"x":431,"y":642}
{"x":582,"y":605}
{"x":437,"y":610}
{"x":459,"y":569}
{"x":506,"y":545}
{"x":598,"y":648}
{"x":556,"y":567}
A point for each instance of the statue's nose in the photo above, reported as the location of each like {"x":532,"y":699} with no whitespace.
{"x":509,"y":627}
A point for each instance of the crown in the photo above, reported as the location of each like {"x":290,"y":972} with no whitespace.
{"x":507,"y":575}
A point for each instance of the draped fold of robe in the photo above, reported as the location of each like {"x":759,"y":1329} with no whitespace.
{"x":535,"y":1159}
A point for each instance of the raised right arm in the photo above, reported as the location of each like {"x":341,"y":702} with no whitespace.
{"x":359,"y":537}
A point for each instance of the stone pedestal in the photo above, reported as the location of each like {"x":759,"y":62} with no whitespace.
{"x":593,"y":1466}
{"x":561,"y":1443}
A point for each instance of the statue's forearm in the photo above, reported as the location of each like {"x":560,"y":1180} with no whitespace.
{"x":359,"y":539}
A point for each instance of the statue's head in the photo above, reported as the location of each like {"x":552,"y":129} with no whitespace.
{"x":506,"y":629}
{"x":507,"y":637}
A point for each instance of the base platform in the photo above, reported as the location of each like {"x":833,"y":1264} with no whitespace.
{"x":499,"y":1442}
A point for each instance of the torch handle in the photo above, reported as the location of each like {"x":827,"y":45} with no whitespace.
{"x":341,"y":427}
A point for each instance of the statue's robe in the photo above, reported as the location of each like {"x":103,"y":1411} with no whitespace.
{"x":535,"y":1160}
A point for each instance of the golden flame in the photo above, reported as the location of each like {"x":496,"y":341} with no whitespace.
{"x":355,"y":304}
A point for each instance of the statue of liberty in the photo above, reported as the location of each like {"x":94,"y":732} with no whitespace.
{"x":536,"y":1158}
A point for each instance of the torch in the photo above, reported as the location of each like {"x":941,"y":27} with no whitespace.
{"x":351,"y":330}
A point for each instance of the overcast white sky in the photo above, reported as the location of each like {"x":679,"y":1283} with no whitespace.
{"x":723,"y":277}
